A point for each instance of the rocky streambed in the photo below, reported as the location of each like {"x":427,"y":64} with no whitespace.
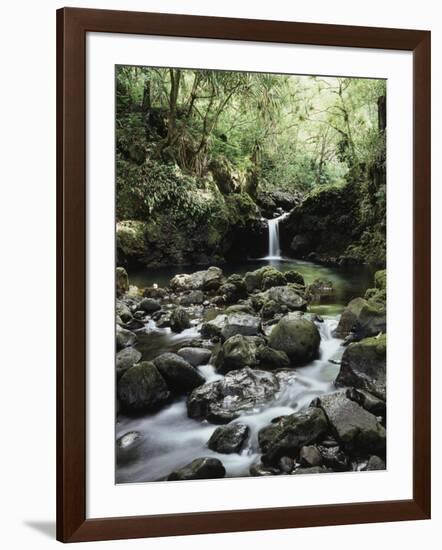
{"x":239,"y":375}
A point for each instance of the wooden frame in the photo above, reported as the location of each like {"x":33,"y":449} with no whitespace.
{"x":72,"y":26}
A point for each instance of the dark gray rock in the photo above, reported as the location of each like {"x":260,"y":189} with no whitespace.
{"x":225,"y":326}
{"x":270,"y":358}
{"x":310,"y":456}
{"x":368,"y":401}
{"x":286,"y":435}
{"x":200,"y":468}
{"x":237,"y":352}
{"x":149,"y":305}
{"x":297,"y":337}
{"x":123,"y":311}
{"x":179,"y":320}
{"x":180,"y":376}
{"x":142,"y":389}
{"x":195,"y":356}
{"x":124,"y":338}
{"x":229,"y":439}
{"x":286,"y":464}
{"x":334,"y":458}
{"x":127,"y":357}
{"x":239,"y":392}
{"x":356,"y":429}
{"x":194,"y":297}
{"x":363,"y":318}
{"x":363,"y":366}
{"x":375,"y":463}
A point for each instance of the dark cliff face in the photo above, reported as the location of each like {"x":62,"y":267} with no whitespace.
{"x":338,"y":224}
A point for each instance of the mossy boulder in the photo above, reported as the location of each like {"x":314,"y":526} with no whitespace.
{"x":180,"y":376}
{"x":179,"y":319}
{"x":363,"y":366}
{"x":287,"y":435}
{"x":297,"y":337}
{"x":142,"y":389}
{"x":236,"y":353}
{"x":363,"y":318}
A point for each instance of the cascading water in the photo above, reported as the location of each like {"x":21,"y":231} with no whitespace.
{"x":274,"y":251}
{"x":170,"y":439}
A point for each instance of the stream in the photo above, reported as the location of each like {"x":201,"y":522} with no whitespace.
{"x":170,"y":439}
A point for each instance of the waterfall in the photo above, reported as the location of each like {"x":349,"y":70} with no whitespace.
{"x":274,"y":252}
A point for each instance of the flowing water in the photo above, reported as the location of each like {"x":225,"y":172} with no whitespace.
{"x":169,"y":439}
{"x":274,"y":252}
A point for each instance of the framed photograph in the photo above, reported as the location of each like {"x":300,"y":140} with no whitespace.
{"x":243,"y":209}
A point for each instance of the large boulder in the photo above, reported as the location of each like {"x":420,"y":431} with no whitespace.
{"x":194,"y":297}
{"x":229,"y":439}
{"x":123,"y":311}
{"x":180,"y":376}
{"x":237,"y":352}
{"x":226,"y":325}
{"x":179,"y":320}
{"x":289,"y":297}
{"x":210,"y":279}
{"x":363,"y":366}
{"x":363,"y":318}
{"x":124,"y":338}
{"x":297,"y":337}
{"x":238,"y":393}
{"x":200,"y":468}
{"x":286,"y":435}
{"x":149,"y":305}
{"x":357,"y":430}
{"x":142,"y":389}
{"x":270,"y":358}
{"x":195,"y":356}
{"x":127,"y":357}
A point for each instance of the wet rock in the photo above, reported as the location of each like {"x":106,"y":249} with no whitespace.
{"x":233,"y":289}
{"x":180,"y":376}
{"x":195,"y":356}
{"x":297,"y":337}
{"x":124,"y":338}
{"x":270,"y":358}
{"x":149,"y":305}
{"x":253,"y":279}
{"x":288,"y":434}
{"x":210,"y":279}
{"x":123,"y":311}
{"x":310,"y":456}
{"x":289,"y":297}
{"x":370,"y":402}
{"x":121,"y":281}
{"x":363,"y":319}
{"x":237,"y":352}
{"x":127,"y":447}
{"x":155,"y":292}
{"x":238,"y":393}
{"x":293,"y":276}
{"x":142,"y":389}
{"x":334,"y":458}
{"x":179,"y":320}
{"x":375,"y":463}
{"x":194,"y":297}
{"x":286,"y":464}
{"x":225,"y":326}
{"x":363,"y":366}
{"x":127,"y":357}
{"x":200,"y":468}
{"x":356,"y":429}
{"x":229,"y":439}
